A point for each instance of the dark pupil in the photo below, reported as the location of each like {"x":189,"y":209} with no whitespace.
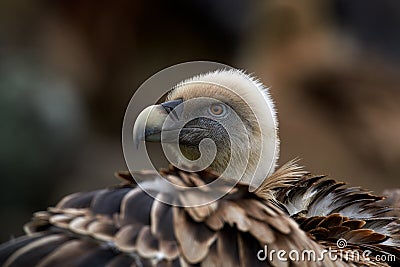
{"x":217,"y":109}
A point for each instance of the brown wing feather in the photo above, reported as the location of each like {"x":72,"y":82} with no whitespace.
{"x":330,"y":210}
{"x":124,"y":226}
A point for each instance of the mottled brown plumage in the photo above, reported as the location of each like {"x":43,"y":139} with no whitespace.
{"x":123,"y":226}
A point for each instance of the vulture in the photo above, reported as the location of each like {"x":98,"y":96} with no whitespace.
{"x":254,"y":214}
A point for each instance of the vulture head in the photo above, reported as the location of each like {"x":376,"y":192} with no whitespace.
{"x":224,"y":121}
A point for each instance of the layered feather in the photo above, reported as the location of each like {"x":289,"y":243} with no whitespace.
{"x":124,"y":226}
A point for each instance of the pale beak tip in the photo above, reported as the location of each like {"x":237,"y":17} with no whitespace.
{"x":147,"y":124}
{"x":137,"y":138}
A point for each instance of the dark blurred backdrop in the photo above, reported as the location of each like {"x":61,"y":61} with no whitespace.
{"x":68,"y":69}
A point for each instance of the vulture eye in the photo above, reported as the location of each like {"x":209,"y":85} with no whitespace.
{"x":217,"y":110}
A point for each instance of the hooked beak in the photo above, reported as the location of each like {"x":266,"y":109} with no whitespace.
{"x":150,"y":122}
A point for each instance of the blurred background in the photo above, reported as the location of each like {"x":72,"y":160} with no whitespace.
{"x":68,"y":69}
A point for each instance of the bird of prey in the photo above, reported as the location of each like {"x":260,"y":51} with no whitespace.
{"x":291,"y":218}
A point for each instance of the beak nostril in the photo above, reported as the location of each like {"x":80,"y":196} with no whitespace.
{"x":170,"y":105}
{"x":167,"y":109}
{"x":173,"y":107}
